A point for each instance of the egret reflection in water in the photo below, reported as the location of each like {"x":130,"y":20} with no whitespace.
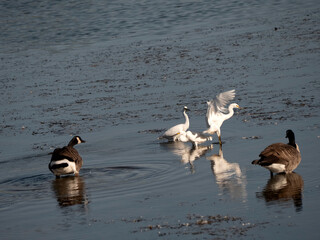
{"x":187,"y":153}
{"x":229,"y":176}
{"x":70,"y":191}
{"x":282,"y":188}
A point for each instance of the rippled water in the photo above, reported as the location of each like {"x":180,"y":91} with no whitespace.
{"x":132,"y":184}
{"x":125,"y":72}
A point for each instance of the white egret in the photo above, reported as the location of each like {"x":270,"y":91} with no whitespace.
{"x":172,"y":133}
{"x":66,"y":160}
{"x":280,"y":157}
{"x":195,"y":138}
{"x":217,"y":112}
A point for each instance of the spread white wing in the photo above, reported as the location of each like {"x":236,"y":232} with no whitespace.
{"x":217,"y":106}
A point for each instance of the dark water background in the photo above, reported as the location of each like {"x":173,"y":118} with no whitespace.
{"x":41,"y":24}
{"x":118,"y":73}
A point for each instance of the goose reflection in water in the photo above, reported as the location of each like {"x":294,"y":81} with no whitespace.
{"x":282,"y":188}
{"x":228,"y":176}
{"x":187,"y":153}
{"x":70,"y":191}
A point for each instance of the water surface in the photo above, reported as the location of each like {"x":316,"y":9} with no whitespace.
{"x":107,"y":74}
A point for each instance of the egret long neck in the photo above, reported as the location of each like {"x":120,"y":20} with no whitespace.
{"x":230,"y":114}
{"x":186,"y":124}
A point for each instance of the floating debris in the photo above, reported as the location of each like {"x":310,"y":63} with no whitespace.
{"x":224,"y":226}
{"x":252,"y":137}
{"x":152,"y":131}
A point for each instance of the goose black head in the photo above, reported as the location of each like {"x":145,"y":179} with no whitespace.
{"x":76,"y":140}
{"x":289,"y":134}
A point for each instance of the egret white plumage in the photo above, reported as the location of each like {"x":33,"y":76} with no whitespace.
{"x":172,"y":133}
{"x":217,"y":112}
{"x":195,"y":138}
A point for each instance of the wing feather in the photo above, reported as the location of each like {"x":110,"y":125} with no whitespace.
{"x":217,"y":105}
{"x":277,"y":153}
{"x":66,"y":152}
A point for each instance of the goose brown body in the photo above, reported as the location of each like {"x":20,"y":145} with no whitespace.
{"x":280,"y":157}
{"x":66,"y":160}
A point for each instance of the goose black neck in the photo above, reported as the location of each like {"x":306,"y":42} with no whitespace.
{"x":292,"y":142}
{"x":73,"y":142}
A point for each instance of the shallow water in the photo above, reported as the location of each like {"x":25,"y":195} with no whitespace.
{"x":119,"y":94}
{"x":132,"y":185}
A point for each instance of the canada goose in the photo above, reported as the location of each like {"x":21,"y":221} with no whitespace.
{"x":195,"y":138}
{"x":280,"y":157}
{"x":217,"y":113}
{"x":66,"y":160}
{"x":172,"y":132}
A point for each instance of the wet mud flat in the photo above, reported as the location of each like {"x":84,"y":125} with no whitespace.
{"x":131,"y":81}
{"x":120,"y":95}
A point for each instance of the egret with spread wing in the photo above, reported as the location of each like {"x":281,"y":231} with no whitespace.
{"x":217,"y":112}
{"x":172,"y":133}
